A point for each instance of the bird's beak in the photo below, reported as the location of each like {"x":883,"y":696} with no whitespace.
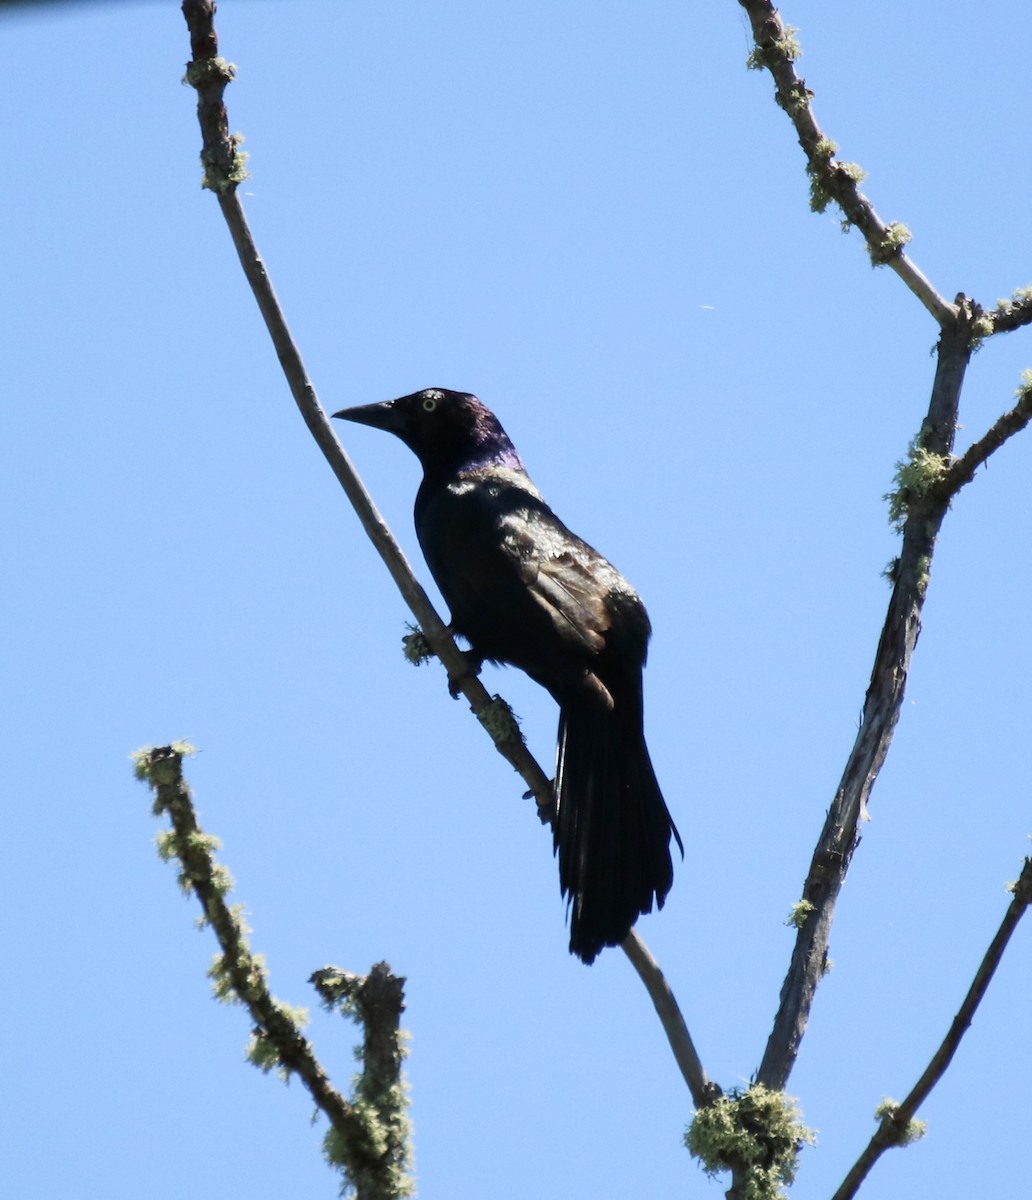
{"x":379,"y":416}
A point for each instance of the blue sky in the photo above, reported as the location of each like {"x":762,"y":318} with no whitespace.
{"x":594,"y":217}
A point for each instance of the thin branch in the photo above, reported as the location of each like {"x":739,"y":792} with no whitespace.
{"x":776,"y":50}
{"x":895,"y":1124}
{"x":962,"y":471}
{"x":223,"y":171}
{"x":703,"y":1091}
{"x":376,"y":1169}
{"x":1011,"y":314}
{"x":841,"y":833}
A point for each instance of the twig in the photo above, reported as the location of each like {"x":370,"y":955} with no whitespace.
{"x":703,"y":1091}
{"x":841,"y":833}
{"x":893,"y":1129}
{"x":962,"y":471}
{"x":222,"y":178}
{"x":1011,"y":314}
{"x":777,"y":50}
{"x":377,"y":1171}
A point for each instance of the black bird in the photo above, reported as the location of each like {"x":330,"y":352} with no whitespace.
{"x":525,"y":590}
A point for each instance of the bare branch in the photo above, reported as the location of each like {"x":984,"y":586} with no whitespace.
{"x":703,"y":1091}
{"x":776,"y":50}
{"x":841,"y":833}
{"x":895,"y":1124}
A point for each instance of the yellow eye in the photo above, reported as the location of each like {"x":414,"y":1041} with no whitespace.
{"x":429,"y":404}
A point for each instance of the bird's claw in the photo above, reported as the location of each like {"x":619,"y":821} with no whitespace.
{"x":473,"y":662}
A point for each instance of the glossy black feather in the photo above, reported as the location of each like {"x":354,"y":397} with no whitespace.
{"x":524,"y":590}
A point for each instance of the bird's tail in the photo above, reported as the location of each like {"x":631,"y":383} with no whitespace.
{"x":612,"y":830}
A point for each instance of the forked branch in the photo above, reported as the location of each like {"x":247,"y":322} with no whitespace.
{"x":368,"y":1142}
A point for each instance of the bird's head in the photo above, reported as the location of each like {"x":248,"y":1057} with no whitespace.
{"x":447,"y":430}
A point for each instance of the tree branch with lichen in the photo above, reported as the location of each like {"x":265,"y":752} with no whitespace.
{"x":754,"y":1133}
{"x":369,"y":1143}
{"x":1009,"y":314}
{"x":897,"y":1123}
{"x":962,"y":470}
{"x":777,"y":50}
{"x":918,"y":508}
{"x":926,"y":481}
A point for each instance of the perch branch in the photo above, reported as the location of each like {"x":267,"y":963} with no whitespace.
{"x":687,"y":1058}
{"x":223,"y":171}
{"x":896,"y":1122}
{"x":220,"y":149}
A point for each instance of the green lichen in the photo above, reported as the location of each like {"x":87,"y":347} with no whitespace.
{"x":373,"y":1152}
{"x":898,"y":1133}
{"x":163,"y":769}
{"x":216,"y":178}
{"x":795,"y":99}
{"x":389,"y":1176}
{"x":817,"y":167}
{"x":798,"y":913}
{"x":263,"y":1052}
{"x":500,"y":721}
{"x":757,"y":1132}
{"x":916,"y":477}
{"x":784,"y":49}
{"x":204,"y":72}
{"x":853,"y":171}
{"x":981,"y":328}
{"x":243,"y":979}
{"x":1019,"y":298}
{"x":415,"y":647}
{"x":896,"y":237}
{"x":1010,"y":311}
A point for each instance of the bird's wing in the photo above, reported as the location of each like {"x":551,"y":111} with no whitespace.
{"x":520,"y":585}
{"x":563,"y":575}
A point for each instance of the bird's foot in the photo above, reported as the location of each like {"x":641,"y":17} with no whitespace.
{"x":546,"y":802}
{"x":473,"y":662}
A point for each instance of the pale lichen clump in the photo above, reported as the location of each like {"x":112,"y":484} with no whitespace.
{"x":916,"y":477}
{"x":899,"y":1133}
{"x":757,"y":1133}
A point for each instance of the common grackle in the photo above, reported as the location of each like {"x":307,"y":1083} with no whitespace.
{"x":525,"y":590}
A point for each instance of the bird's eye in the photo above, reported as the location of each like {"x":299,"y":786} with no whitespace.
{"x":429,"y":404}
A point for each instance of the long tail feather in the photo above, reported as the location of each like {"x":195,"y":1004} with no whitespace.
{"x":612,"y":831}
